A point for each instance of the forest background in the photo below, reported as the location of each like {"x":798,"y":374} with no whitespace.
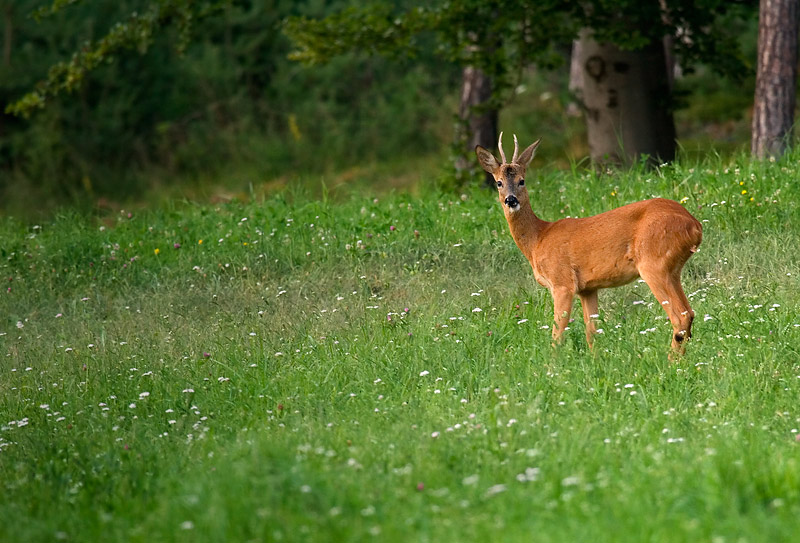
{"x":231,"y":115}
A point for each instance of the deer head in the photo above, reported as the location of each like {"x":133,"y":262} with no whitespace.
{"x":509,"y":177}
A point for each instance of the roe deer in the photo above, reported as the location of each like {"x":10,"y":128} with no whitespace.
{"x":651,"y":239}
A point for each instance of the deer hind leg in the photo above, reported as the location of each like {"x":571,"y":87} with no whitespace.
{"x":562,"y":307}
{"x":666,"y":287}
{"x":590,"y":313}
{"x":684,"y":312}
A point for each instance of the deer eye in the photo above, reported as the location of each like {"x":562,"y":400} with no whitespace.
{"x":521,"y":182}
{"x":499,"y":184}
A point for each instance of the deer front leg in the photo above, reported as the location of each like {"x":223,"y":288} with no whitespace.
{"x":562,"y":306}
{"x":590,"y":313}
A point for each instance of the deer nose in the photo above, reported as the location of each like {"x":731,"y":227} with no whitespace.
{"x":511,"y":201}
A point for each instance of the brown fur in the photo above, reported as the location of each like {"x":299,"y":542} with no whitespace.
{"x":651,"y":239}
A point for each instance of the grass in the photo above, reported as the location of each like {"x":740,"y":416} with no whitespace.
{"x":305,"y":370}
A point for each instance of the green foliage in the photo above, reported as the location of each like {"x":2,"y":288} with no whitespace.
{"x":135,"y":32}
{"x":704,"y":31}
{"x":501,"y":37}
{"x":229,"y":102}
{"x":318,"y":371}
{"x":372,"y":29}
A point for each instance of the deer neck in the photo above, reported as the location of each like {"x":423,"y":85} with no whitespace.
{"x":525,"y":228}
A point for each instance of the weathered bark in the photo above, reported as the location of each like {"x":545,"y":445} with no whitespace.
{"x":575,"y":85}
{"x":479,"y":119}
{"x":627,"y":100}
{"x":776,"y":77}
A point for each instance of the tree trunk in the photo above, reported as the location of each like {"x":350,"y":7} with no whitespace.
{"x":776,"y":76}
{"x":575,"y":86}
{"x":478,"y":118}
{"x":627,"y":100}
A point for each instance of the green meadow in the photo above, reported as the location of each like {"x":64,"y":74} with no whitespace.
{"x":379,"y":368}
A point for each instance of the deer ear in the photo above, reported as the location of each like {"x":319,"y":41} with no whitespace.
{"x":486,"y":159}
{"x":527,"y":155}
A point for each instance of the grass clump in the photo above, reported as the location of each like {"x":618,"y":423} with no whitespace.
{"x":381,"y":369}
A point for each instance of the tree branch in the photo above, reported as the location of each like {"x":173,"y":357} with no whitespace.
{"x":134,"y":34}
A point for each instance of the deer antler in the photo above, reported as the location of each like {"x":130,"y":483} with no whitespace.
{"x":516,"y":150}
{"x":500,"y":148}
